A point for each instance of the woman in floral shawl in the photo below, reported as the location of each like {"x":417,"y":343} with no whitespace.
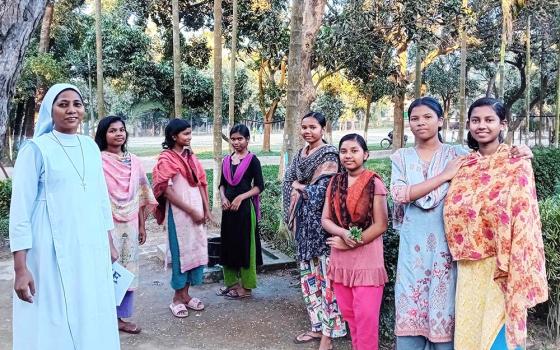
{"x":493,"y":229}
{"x":132,"y":201}
{"x":304,"y":188}
{"x":180,"y":186}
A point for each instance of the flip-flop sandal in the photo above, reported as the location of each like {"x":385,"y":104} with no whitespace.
{"x":308,"y":337}
{"x":136,"y":330}
{"x":234,"y":295}
{"x":179,"y":310}
{"x":195,"y":304}
{"x":223,"y":291}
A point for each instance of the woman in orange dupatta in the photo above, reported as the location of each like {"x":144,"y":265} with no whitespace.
{"x":132,"y":201}
{"x":493,"y":229}
{"x":180,"y":186}
{"x":357,"y":199}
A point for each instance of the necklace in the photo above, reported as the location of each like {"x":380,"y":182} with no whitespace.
{"x":83,"y":176}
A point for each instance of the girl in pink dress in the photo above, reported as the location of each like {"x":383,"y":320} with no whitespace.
{"x":355,"y":214}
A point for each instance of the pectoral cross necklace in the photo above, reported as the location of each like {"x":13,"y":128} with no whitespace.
{"x":83,"y":175}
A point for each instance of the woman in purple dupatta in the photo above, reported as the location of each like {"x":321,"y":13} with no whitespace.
{"x":240,"y":185}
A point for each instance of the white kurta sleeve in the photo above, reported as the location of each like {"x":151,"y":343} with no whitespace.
{"x":105,"y":203}
{"x":25,"y":186}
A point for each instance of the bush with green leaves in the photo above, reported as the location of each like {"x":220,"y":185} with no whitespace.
{"x":550,"y":217}
{"x":5,"y":197}
{"x":546,"y":165}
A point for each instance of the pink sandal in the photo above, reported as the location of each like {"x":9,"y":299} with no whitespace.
{"x":195,"y":304}
{"x":179,"y":310}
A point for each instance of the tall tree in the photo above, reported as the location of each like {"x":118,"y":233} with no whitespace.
{"x":44,"y":41}
{"x":313,"y":12}
{"x":217,"y":134}
{"x":178,"y":101}
{"x":289,"y":145}
{"x":232,"y":59}
{"x":557,"y":102}
{"x":463,"y":75}
{"x":99,"y":59}
{"x":18,"y":21}
{"x":528,"y":78}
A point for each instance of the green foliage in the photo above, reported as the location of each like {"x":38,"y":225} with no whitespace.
{"x":5,"y":197}
{"x":330,"y":105}
{"x":550,"y":217}
{"x":546,"y":162}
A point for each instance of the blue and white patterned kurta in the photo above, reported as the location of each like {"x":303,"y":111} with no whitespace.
{"x":426,"y":274}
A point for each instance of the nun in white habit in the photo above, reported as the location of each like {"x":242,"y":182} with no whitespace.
{"x":60,"y":216}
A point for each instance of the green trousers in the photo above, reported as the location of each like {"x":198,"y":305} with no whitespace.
{"x":248,"y":276}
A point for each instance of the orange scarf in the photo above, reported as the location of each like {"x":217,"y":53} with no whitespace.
{"x":168,"y":165}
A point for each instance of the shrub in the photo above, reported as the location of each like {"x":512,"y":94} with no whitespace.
{"x":5,"y":197}
{"x":550,"y":217}
{"x":546,"y":162}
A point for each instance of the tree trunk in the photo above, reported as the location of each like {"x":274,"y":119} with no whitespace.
{"x":44,"y":43}
{"x":399,"y":97}
{"x":557,"y":119}
{"x":398,"y":120}
{"x":232,"y":58}
{"x":506,"y":32}
{"x":268,"y":125}
{"x":490,"y":87}
{"x":542,"y":87}
{"x":99,"y":60}
{"x":367,"y":116}
{"x":289,"y":144}
{"x":217,"y":132}
{"x":418,"y":75}
{"x":328,"y":130}
{"x":178,"y":96}
{"x":462,"y":80}
{"x":312,"y":18}
{"x":268,"y":116}
{"x":18,"y":21}
{"x":528,"y":80}
{"x":446,"y":108}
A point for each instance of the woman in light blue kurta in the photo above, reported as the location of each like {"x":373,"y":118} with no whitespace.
{"x":59,"y":220}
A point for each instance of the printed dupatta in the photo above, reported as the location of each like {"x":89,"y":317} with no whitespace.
{"x":491,"y":209}
{"x":168,"y":165}
{"x":352,"y":206}
{"x":128,"y":186}
{"x":307,"y":170}
{"x":235,"y":179}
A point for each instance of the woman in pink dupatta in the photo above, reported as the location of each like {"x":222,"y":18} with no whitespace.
{"x":180,"y":186}
{"x":132,"y":201}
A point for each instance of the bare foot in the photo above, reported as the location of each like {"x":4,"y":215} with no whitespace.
{"x":326,"y":343}
{"x":128,"y":327}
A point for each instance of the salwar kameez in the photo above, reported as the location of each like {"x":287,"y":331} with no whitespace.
{"x":426,"y":274}
{"x":187,"y":240}
{"x":247,"y":275}
{"x":129,"y":193}
{"x":239,"y":232}
{"x":302,"y":215}
{"x":493,"y":229}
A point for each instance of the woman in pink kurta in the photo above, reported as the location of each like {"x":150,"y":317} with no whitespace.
{"x":357,"y":198}
{"x":132,"y":201}
{"x":180,"y":186}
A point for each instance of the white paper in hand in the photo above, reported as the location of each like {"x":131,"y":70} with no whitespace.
{"x":122,"y":278}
